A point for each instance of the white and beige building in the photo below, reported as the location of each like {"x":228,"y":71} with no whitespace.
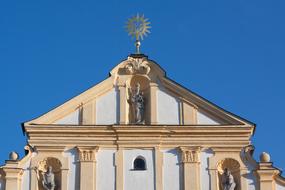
{"x":184,"y":143}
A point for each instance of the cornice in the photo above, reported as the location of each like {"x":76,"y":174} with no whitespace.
{"x":139,"y":136}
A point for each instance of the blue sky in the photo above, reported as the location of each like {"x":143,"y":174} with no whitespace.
{"x":230,"y":52}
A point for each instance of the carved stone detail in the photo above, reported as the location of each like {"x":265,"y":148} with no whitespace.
{"x":87,"y":154}
{"x":49,"y":174}
{"x":50,"y":161}
{"x":229,"y":170}
{"x":228,"y":163}
{"x":137,"y":104}
{"x":137,"y":66}
{"x":227,"y":180}
{"x":190,"y":154}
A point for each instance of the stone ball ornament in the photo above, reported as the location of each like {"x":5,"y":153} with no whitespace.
{"x":13,"y":156}
{"x":264,"y":157}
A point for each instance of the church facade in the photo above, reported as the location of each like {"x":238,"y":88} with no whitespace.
{"x":139,"y":130}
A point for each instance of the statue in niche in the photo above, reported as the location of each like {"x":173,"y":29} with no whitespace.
{"x":137,"y":102}
{"x":228,"y":182}
{"x":47,"y":177}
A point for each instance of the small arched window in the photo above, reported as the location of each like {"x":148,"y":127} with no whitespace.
{"x":139,"y":163}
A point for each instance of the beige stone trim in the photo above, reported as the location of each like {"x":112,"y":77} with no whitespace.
{"x":139,"y":136}
{"x":87,"y":162}
{"x":73,"y":104}
{"x":181,"y":113}
{"x":123,"y":104}
{"x":153,"y":103}
{"x":189,"y":114}
{"x":201,"y":103}
{"x":267,"y":173}
{"x":220,"y":155}
{"x":49,"y":153}
{"x":158,"y":169}
{"x":190,"y":158}
{"x":280,"y":180}
{"x":119,"y":162}
{"x":88,"y":115}
{"x":12,"y":175}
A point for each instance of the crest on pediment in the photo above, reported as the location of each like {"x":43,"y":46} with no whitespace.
{"x":137,"y":66}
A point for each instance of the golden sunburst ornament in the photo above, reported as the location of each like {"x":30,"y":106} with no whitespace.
{"x":138,"y":27}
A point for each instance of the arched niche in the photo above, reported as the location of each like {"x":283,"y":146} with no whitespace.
{"x":234,"y":167}
{"x":56,"y":169}
{"x":144,"y":83}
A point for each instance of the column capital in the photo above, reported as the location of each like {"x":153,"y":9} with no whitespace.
{"x":190,"y":154}
{"x":87,"y":154}
{"x":190,"y":158}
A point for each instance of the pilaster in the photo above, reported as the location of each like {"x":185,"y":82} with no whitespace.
{"x":266,"y":173}
{"x":12,"y":175}
{"x":190,"y":158}
{"x":189,"y":114}
{"x":123,"y":104}
{"x":119,"y":162}
{"x":153,"y":103}
{"x":87,"y":163}
{"x":89,"y":113}
{"x":158,"y":169}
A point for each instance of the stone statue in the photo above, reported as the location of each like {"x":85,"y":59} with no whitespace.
{"x":137,"y":101}
{"x":48,"y":179}
{"x":228,"y":180}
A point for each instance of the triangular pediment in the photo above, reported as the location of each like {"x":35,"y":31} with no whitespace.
{"x":166,"y":102}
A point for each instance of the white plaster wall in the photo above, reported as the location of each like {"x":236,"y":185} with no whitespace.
{"x":172,"y":173}
{"x":71,"y":119}
{"x":279,"y":187}
{"x":138,"y":180}
{"x":26,"y":176}
{"x":72,"y":156}
{"x":25,"y":183}
{"x":205,"y":120}
{"x":204,"y":172}
{"x":107,"y":109}
{"x":105,"y":170}
{"x":167,"y":108}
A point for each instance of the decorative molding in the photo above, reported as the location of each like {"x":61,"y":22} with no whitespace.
{"x":229,"y":163}
{"x":87,"y":153}
{"x":50,"y":161}
{"x":190,"y":158}
{"x":190,"y":154}
{"x":230,"y":137}
{"x":137,"y":66}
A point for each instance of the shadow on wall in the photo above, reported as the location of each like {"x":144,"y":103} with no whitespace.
{"x":74,"y":153}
